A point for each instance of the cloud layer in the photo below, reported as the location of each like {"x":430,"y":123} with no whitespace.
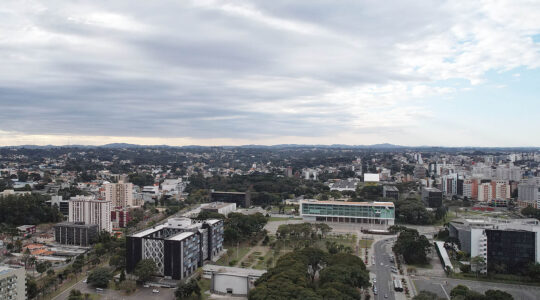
{"x":262,"y":71}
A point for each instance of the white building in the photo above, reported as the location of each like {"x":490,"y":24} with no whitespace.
{"x":12,"y":283}
{"x":89,"y":210}
{"x":230,"y":280}
{"x":175,"y":186}
{"x":119,"y":194}
{"x":371,"y":177}
{"x":220,"y":207}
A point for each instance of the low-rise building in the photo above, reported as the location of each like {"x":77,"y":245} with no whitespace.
{"x":76,"y":234}
{"x":220,"y":207}
{"x":390,"y":191}
{"x":231,"y":281}
{"x":241,"y":199}
{"x":432,"y":197}
{"x":348,"y":212}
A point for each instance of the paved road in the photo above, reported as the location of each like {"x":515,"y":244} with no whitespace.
{"x":384,"y":276}
{"x":442,"y":287}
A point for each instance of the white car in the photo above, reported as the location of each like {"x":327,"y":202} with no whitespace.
{"x":146,"y":286}
{"x":374,"y":280}
{"x":85,"y":280}
{"x":155,"y":291}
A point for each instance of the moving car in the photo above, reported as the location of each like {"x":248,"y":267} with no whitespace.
{"x":155,"y":291}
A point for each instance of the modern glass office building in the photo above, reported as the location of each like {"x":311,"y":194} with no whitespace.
{"x":348,"y":212}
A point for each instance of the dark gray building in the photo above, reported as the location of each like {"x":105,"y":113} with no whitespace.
{"x":178,"y":247}
{"x":76,"y":234}
{"x":432,"y":197}
{"x":390,"y":191}
{"x":241,"y":199}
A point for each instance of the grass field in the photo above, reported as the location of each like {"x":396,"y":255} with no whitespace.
{"x":234,"y":254}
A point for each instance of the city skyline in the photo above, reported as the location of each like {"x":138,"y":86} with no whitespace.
{"x":453,"y":74}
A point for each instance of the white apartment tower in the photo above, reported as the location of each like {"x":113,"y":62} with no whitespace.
{"x":89,"y":210}
{"x":119,"y":194}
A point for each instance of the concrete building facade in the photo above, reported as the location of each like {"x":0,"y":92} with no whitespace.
{"x":89,"y":210}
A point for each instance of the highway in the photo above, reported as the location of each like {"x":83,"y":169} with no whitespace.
{"x":384,"y":276}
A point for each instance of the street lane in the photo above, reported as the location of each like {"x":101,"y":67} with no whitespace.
{"x":384,"y":276}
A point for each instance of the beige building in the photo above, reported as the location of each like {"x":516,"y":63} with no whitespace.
{"x":485,"y":192}
{"x":89,"y":210}
{"x":119,"y":194}
{"x":12,"y":283}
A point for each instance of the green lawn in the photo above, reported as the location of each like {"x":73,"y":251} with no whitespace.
{"x":502,"y":278}
{"x":234,"y":254}
{"x":205,"y":286}
{"x":364,"y":243}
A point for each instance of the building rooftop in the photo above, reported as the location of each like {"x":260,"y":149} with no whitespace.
{"x":233,"y":270}
{"x":216,"y":205}
{"x":390,"y":188}
{"x":75,"y":224}
{"x":181,"y":236}
{"x":149,"y":230}
{"x":349,"y":203}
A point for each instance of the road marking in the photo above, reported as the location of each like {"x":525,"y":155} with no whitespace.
{"x":442,"y":287}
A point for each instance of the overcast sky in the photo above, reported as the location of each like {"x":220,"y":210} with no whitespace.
{"x":449,"y":73}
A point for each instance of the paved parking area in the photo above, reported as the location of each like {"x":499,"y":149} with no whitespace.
{"x":107,"y":294}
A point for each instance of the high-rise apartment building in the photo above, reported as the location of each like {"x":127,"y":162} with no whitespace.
{"x":89,"y":210}
{"x":119,"y":194}
{"x":485,"y":192}
{"x":500,"y":189}
{"x":529,"y":193}
{"x":12,"y":283}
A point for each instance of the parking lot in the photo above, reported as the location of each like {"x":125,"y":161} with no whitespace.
{"x":108,"y":294}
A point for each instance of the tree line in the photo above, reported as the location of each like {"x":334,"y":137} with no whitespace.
{"x":27,"y":209}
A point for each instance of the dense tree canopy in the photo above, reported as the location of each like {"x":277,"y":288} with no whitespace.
{"x":27,"y":209}
{"x":413,"y":246}
{"x":242,"y":227}
{"x":294,"y":277}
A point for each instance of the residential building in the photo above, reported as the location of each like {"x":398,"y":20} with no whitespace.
{"x":470,"y":188}
{"x":12,"y":283}
{"x":485,"y":192}
{"x":390,"y":191}
{"x":500,"y":189}
{"x":89,"y":210}
{"x":344,"y":185}
{"x":178,"y":247}
{"x":120,"y":216}
{"x":241,"y":199}
{"x":76,"y":234}
{"x":348,"y":212}
{"x":432,"y":197}
{"x":119,"y":194}
{"x":529,"y":193}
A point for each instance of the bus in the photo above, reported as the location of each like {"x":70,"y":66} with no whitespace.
{"x":398,"y":287}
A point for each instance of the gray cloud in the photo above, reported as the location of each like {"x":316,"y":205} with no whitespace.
{"x":232,"y":69}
